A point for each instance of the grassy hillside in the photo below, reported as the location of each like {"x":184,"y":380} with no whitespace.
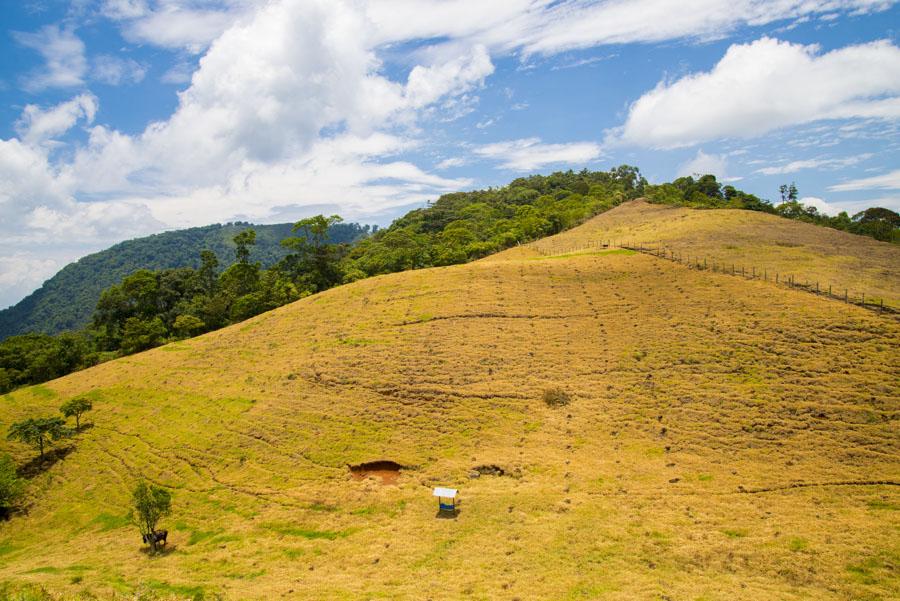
{"x":725,"y":440}
{"x":67,"y":300}
{"x":752,"y":239}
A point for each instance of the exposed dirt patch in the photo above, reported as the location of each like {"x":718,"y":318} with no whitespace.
{"x":386,"y":471}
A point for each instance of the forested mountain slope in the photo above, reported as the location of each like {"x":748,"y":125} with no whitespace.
{"x":724,"y":438}
{"x":67,"y":300}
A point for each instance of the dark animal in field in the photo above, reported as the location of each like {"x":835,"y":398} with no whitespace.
{"x":155,"y":537}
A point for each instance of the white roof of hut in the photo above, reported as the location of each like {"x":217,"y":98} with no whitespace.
{"x":447,"y":493}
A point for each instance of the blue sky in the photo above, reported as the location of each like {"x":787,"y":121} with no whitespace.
{"x":122,"y":118}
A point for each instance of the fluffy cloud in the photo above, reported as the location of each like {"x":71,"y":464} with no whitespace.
{"x":264,"y":92}
{"x":37,"y":125}
{"x":702,"y":164}
{"x":177,"y":24}
{"x":20,"y":273}
{"x":63,"y":53}
{"x":887,"y":181}
{"x":528,"y":154}
{"x":763,"y":86}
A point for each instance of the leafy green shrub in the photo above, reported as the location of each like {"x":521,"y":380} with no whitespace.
{"x":11,"y":486}
{"x":556,"y":397}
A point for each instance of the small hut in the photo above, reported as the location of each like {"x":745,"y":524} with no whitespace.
{"x":446,"y":498}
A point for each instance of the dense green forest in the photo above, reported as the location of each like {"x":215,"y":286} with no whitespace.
{"x":66,"y":301}
{"x":707,"y":193}
{"x":150,"y":307}
{"x":463,"y":226}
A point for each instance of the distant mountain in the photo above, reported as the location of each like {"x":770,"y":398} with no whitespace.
{"x":67,"y":300}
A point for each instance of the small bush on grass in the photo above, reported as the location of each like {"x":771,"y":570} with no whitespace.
{"x":556,"y":397}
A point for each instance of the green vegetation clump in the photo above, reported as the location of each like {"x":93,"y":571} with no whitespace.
{"x":76,"y":408}
{"x":150,"y":504}
{"x":40,"y":432}
{"x":11,"y":486}
{"x":556,"y":397}
{"x":464,"y":226}
{"x":707,"y":193}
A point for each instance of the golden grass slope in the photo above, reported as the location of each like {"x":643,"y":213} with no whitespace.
{"x":856,"y":264}
{"x":700,"y":401}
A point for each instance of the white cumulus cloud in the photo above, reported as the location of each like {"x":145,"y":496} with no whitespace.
{"x":703,"y":164}
{"x":37,"y":125}
{"x":766,"y":85}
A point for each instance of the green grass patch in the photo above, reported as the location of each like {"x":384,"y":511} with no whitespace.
{"x":42,"y":392}
{"x":798,"y":544}
{"x":44,"y":570}
{"x":357,"y":341}
{"x":704,"y":477}
{"x":307,"y":533}
{"x":109,"y":521}
{"x":363,"y":511}
{"x":245,"y":575}
{"x":182,"y":590}
{"x":294,"y":553}
{"x":225,"y":538}
{"x":198,"y":536}
{"x":15,"y":592}
{"x":7,"y":547}
{"x":882,"y":504}
{"x":613,"y":251}
{"x":731,"y":533}
{"x":174,"y":347}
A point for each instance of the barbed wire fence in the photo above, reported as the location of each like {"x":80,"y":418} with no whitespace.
{"x":703,"y":263}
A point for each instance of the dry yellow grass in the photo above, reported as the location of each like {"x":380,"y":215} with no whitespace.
{"x":698,"y":401}
{"x":856,"y":264}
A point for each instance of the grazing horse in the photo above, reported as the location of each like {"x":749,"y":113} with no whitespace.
{"x":155,"y":537}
